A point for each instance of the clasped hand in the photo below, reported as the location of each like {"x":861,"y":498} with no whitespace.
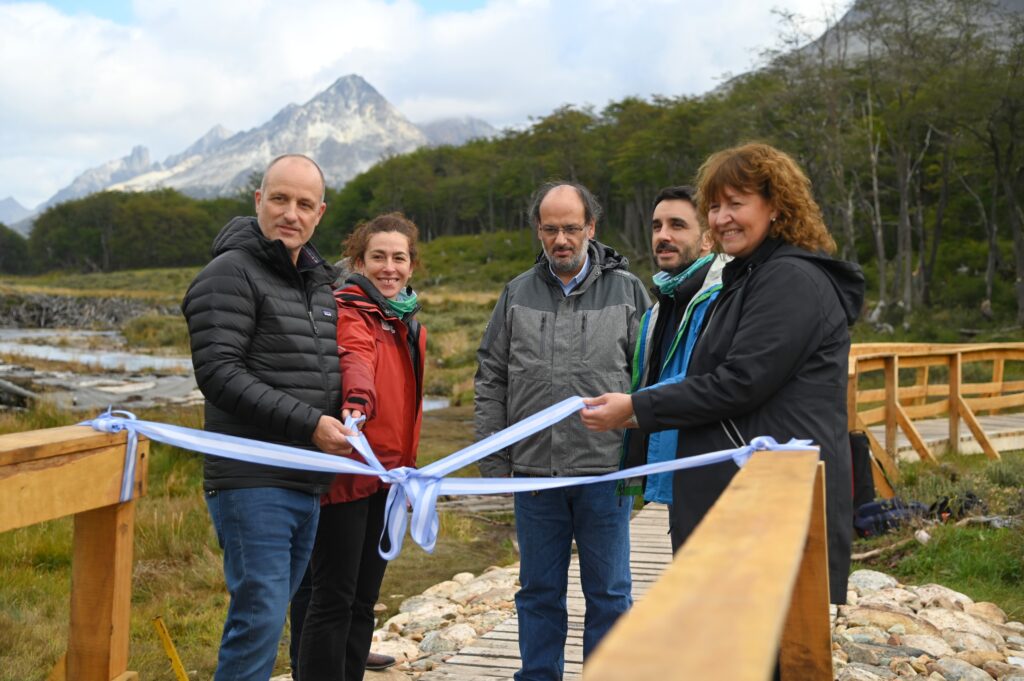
{"x":608,"y":412}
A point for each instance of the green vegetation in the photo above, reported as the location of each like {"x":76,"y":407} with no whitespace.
{"x":177,"y":562}
{"x":158,"y":331}
{"x":983,"y":562}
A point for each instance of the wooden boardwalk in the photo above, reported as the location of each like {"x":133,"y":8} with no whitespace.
{"x":1006,"y":431}
{"x":495,"y":655}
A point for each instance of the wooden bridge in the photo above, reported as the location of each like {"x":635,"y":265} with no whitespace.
{"x":743,"y":575}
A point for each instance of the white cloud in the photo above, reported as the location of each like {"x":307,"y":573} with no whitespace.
{"x":81,"y":90}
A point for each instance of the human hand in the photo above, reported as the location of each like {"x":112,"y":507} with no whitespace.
{"x":608,"y":412}
{"x":329,"y":436}
{"x":353,"y":413}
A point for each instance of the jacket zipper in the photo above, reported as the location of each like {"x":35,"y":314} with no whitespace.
{"x":543,"y":335}
{"x":584,"y":332}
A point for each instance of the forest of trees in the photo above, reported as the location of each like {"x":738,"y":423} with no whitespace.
{"x":908,"y":116}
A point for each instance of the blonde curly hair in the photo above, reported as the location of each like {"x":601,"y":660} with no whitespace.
{"x":763,"y":169}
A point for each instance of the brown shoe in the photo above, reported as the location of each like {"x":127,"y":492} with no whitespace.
{"x":376,"y":662}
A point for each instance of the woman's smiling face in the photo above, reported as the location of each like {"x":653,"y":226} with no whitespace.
{"x":386,"y":262}
{"x":740,"y":221}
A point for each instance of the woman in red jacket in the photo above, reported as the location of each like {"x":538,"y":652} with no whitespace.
{"x":381,"y":348}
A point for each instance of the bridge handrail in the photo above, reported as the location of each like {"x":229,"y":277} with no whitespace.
{"x":77,"y":471}
{"x":743,"y":575}
{"x":897,"y":406}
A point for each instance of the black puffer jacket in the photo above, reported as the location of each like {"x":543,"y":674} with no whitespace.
{"x":265,"y":351}
{"x":772,"y":360}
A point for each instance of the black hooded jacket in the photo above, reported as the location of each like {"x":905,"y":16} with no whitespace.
{"x":265,"y":351}
{"x":772,"y":360}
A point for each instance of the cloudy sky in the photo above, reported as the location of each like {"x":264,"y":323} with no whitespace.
{"x":84,"y":82}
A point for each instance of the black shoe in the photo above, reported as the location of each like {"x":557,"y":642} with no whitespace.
{"x":376,"y":662}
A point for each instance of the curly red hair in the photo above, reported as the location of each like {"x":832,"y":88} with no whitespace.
{"x":763,"y":169}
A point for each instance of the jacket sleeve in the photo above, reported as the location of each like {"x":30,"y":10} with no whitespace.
{"x":780,"y":326}
{"x":220,"y":308}
{"x":357,"y":352}
{"x":491,"y":387}
{"x":641,"y":303}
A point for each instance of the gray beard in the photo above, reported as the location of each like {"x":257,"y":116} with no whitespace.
{"x":572,"y":264}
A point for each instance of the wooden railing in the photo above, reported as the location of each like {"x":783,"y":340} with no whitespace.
{"x":898,"y":405}
{"x":48,"y":474}
{"x":749,"y":589}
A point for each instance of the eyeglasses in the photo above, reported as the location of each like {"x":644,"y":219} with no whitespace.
{"x":569,"y":230}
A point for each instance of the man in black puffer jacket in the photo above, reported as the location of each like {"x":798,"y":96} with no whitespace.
{"x":261,"y":320}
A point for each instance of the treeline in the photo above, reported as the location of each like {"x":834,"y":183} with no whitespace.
{"x":908,"y":115}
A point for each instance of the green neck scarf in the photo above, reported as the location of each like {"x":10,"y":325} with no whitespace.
{"x":667,"y":283}
{"x":404,"y":302}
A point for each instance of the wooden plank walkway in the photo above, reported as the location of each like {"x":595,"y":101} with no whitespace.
{"x":1006,"y":431}
{"x":495,"y":655}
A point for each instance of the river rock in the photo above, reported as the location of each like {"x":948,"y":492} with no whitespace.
{"x":401,"y":649}
{"x":990,"y":612}
{"x":953,"y":669}
{"x":852,"y":673}
{"x":1001,"y":670}
{"x":444,"y":589}
{"x":979,"y":657}
{"x":448,"y":639}
{"x":866,"y":635}
{"x":935,"y":646}
{"x":864,"y":581}
{"x":424,"y":604}
{"x":499,"y":594}
{"x":962,"y":640}
{"x":945,"y":619}
{"x":464,"y":577}
{"x":884,"y":619}
{"x":936,"y":593}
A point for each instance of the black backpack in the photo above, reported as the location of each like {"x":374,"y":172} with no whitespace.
{"x":879,"y":517}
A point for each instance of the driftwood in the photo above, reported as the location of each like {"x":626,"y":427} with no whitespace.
{"x":16,"y":390}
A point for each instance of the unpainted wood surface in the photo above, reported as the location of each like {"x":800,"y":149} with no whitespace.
{"x":41,"y":444}
{"x":732,"y":581}
{"x":495,"y":656}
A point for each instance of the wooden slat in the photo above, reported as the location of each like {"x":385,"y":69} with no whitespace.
{"x":42,"y":444}
{"x":732,"y":581}
{"x":101,"y":588}
{"x":927,"y":411}
{"x":976,"y":429}
{"x":806,"y":649}
{"x":40,"y":490}
{"x":915,"y":438}
{"x":995,"y":403}
{"x":879,"y":454}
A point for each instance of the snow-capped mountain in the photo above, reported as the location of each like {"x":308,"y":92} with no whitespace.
{"x":347,"y":128}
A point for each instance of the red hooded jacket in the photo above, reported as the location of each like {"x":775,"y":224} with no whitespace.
{"x":379,"y":378}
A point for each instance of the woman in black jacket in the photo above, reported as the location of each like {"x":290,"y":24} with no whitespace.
{"x":772,"y":358}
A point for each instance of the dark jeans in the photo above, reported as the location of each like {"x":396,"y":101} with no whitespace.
{"x":296,"y":616}
{"x":546,"y":523}
{"x":346,"y":572}
{"x":266,"y":534}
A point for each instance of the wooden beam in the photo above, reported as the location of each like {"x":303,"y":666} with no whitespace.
{"x":954,"y":399}
{"x":915,"y":437}
{"x":39,"y":490}
{"x":892,"y":386}
{"x":101,"y":587}
{"x":879,"y":453}
{"x":976,"y":430}
{"x":732,"y":581}
{"x":806,"y":649}
{"x":882,"y":487}
{"x":42,"y":444}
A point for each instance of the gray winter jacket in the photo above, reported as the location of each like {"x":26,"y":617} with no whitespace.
{"x":541,"y":347}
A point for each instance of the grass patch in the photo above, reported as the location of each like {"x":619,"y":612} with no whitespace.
{"x":177,"y":572}
{"x":158,"y":331}
{"x":983,"y":562}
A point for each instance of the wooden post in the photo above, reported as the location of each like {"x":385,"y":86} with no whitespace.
{"x":101,"y":587}
{"x":954,"y":402}
{"x":806,"y":649}
{"x":998,"y":368}
{"x":892,"y":389}
{"x":851,"y":395}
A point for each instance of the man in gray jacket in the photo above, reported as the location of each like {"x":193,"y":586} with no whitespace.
{"x":565,"y":327}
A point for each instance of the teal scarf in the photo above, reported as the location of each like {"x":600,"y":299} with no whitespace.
{"x":404,"y":302}
{"x":667,"y":283}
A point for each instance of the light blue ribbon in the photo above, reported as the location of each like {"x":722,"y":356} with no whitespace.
{"x":418,"y":488}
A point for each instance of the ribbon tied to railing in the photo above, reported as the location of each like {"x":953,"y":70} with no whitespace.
{"x":418,"y":488}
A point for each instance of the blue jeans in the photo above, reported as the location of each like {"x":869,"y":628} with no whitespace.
{"x":267,"y":535}
{"x":546,"y":523}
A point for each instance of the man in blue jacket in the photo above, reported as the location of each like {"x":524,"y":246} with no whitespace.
{"x":689,"y":278}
